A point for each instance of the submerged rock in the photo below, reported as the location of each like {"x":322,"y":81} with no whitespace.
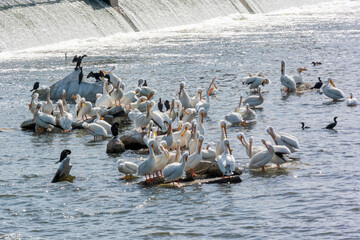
{"x":115,"y":145}
{"x":72,"y":87}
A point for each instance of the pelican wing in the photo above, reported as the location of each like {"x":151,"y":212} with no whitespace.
{"x":131,"y":167}
{"x":234,"y":118}
{"x":333,"y":93}
{"x":291,"y":140}
{"x":49,"y":119}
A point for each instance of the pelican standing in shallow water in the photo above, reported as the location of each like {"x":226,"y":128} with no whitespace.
{"x":262,"y":158}
{"x":226,"y":161}
{"x":285,"y":139}
{"x":331,"y":91}
{"x":175,"y":170}
{"x":286,"y":80}
{"x":352,"y":101}
{"x":95,"y":129}
{"x":128,"y":168}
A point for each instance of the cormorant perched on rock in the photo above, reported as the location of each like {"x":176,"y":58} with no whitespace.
{"x":316,"y":63}
{"x":36,"y":86}
{"x":81,"y":75}
{"x":167,"y":105}
{"x":78,"y":60}
{"x":317,"y":85}
{"x":332,"y":125}
{"x":63,"y":171}
{"x":97,"y":76}
{"x":160,"y":105}
{"x":63,"y":155}
{"x":144,"y":84}
{"x":115,"y":130}
{"x":303,"y":127}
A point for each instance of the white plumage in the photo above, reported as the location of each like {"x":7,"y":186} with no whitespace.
{"x":331,"y":91}
{"x":226,"y":160}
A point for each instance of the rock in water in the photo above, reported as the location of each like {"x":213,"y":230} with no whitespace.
{"x":133,"y":141}
{"x":71,"y":84}
{"x":115,"y":146}
{"x":63,"y":172}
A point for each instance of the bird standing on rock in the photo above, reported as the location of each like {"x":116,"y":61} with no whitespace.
{"x":332,"y":125}
{"x":167,"y":105}
{"x":36,"y":86}
{"x":115,"y":130}
{"x":160,"y":105}
{"x":81,"y":75}
{"x":78,"y":60}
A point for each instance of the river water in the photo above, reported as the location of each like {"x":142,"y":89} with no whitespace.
{"x":316,"y":197}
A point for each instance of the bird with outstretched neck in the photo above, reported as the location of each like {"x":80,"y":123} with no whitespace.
{"x":332,"y":125}
{"x":317,"y":85}
{"x":78,"y":60}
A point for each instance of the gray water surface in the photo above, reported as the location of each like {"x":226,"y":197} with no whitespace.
{"x":316,"y":197}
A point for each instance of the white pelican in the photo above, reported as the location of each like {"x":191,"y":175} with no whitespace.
{"x":128,"y":168}
{"x":144,"y":90}
{"x":285,"y":139}
{"x":197,"y":98}
{"x":172,"y":112}
{"x":150,"y":133}
{"x":175,"y":170}
{"x":287,"y":81}
{"x":48,"y":106}
{"x":77,"y":99}
{"x":220,"y":145}
{"x":65,"y":118}
{"x":255,"y":82}
{"x":179,"y":110}
{"x":113,"y":78}
{"x":168,"y":137}
{"x":99,"y":120}
{"x":250,"y":150}
{"x":116,"y":95}
{"x":86,"y":110}
{"x":140,"y":104}
{"x":185,"y":135}
{"x":43,"y":120}
{"x":212,"y":88}
{"x":205,"y":105}
{"x":189,"y":114}
{"x":226,"y":161}
{"x":184,"y":97}
{"x":142,"y":120}
{"x":130,"y":97}
{"x":33,"y":102}
{"x":105,"y":99}
{"x":331,"y":91}
{"x":175,"y":156}
{"x":352,"y":101}
{"x":66,"y":106}
{"x":194,"y":137}
{"x":200,"y":121}
{"x":162,"y":159}
{"x":238,"y":108}
{"x":298,"y":79}
{"x":254,"y":101}
{"x":95,"y":129}
{"x":262,"y":158}
{"x":249,"y":114}
{"x":235,"y":118}
{"x":133,"y":114}
{"x":158,"y":117}
{"x":195,"y":158}
{"x":147,"y":167}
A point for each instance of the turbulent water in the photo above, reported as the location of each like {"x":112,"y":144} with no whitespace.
{"x":316,"y":197}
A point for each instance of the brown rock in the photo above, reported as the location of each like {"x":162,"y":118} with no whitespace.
{"x":115,"y":146}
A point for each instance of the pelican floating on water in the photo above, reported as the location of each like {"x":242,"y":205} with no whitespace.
{"x":285,"y":139}
{"x":254,"y":101}
{"x":286,"y":80}
{"x":352,"y":101}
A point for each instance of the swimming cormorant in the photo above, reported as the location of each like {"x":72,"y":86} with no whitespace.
{"x":332,"y":125}
{"x":303,"y":126}
{"x":317,"y":85}
{"x":316,"y":63}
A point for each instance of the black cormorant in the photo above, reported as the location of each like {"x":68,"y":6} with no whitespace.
{"x":332,"y":125}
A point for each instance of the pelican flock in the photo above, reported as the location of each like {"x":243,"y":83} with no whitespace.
{"x":175,"y":134}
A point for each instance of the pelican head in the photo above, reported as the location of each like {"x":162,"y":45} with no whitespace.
{"x":227,"y":144}
{"x":242,"y":139}
{"x":247,"y":107}
{"x":202,"y":114}
{"x":282,"y":67}
{"x":330,"y":81}
{"x":151,"y":94}
{"x":267,"y":145}
{"x":140,"y":82}
{"x":38,"y":106}
{"x":63,"y":92}
{"x":351,"y":95}
{"x":185,"y":127}
{"x":122,"y":86}
{"x":223,"y":127}
{"x":299,"y":70}
{"x":265,"y":81}
{"x":137,"y":91}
